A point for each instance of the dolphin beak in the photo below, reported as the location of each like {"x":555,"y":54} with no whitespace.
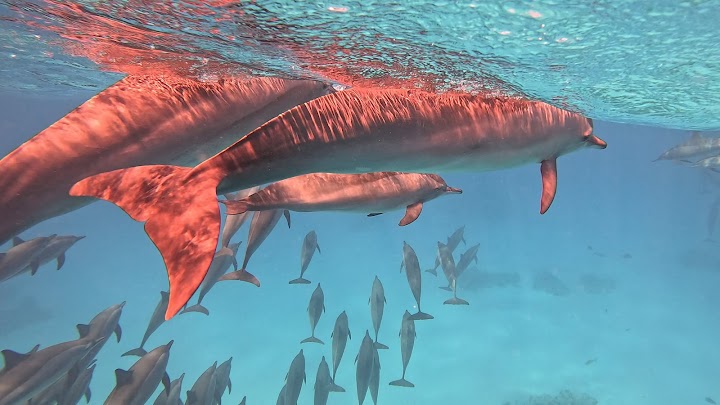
{"x":595,"y":142}
{"x":453,"y":190}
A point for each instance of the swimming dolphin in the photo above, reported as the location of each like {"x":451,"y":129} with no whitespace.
{"x":203,"y":391}
{"x":697,"y":146}
{"x":407,"y":342}
{"x":281,"y":396}
{"x":22,"y":255}
{"x":712,"y":163}
{"x":309,"y":246}
{"x":414,"y":278}
{"x":374,"y":383}
{"x":351,"y":131}
{"x":220,"y":264}
{"x":448,"y":265}
{"x":136,"y":385}
{"x":465,"y":259}
{"x":294,"y":379}
{"x":452,"y":243}
{"x":234,"y":222}
{"x":80,"y":387}
{"x":377,"y":306}
{"x":324,"y":384}
{"x":171,"y":396}
{"x":139,"y":120}
{"x":222,"y":379}
{"x":103,"y":325}
{"x":371,"y":193}
{"x":156,"y":319}
{"x":340,"y":335}
{"x":55,"y":250}
{"x":263,"y":222}
{"x":364,"y":366}
{"x":315,"y":310}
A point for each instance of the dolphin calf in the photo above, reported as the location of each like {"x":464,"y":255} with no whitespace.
{"x":171,"y":396}
{"x":156,"y":319}
{"x":203,"y":391}
{"x":219,"y":266}
{"x":136,"y":385}
{"x":22,"y":255}
{"x":377,"y":306}
{"x":309,"y":246}
{"x":407,"y":342}
{"x":351,"y":131}
{"x":340,"y":336}
{"x":414,"y":278}
{"x":222,"y":379}
{"x":101,"y":326}
{"x":315,"y":310}
{"x":324,"y":384}
{"x":465,"y":259}
{"x":452,"y":242}
{"x":234,"y":222}
{"x":139,"y":120}
{"x":370,"y":193}
{"x":364,"y":366}
{"x":448,"y":265}
{"x":294,"y":380}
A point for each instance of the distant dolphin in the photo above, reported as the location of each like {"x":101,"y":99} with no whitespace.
{"x":315,"y":310}
{"x":452,"y":243}
{"x":370,"y":193}
{"x":324,"y":384}
{"x":171,"y":396}
{"x":374,"y":384}
{"x":136,"y":385}
{"x":414,"y":278}
{"x":222,"y":379}
{"x":697,"y":146}
{"x":23,"y":254}
{"x":364,"y":366}
{"x":340,"y":336}
{"x":234,"y":222}
{"x":448,"y":265}
{"x":80,"y":387}
{"x":55,"y":250}
{"x":219,"y":266}
{"x":351,"y":131}
{"x":309,"y":246}
{"x":156,"y":319}
{"x":377,"y":306}
{"x":466,"y":258}
{"x":203,"y":391}
{"x":103,"y":325}
{"x":407,"y":342}
{"x":295,"y":379}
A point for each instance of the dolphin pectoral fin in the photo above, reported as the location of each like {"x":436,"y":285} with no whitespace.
{"x":166,"y":383}
{"x":60,"y":261}
{"x":374,"y":214}
{"x":548,"y":170}
{"x":118,"y":332}
{"x":34,"y":267}
{"x":88,"y":395}
{"x":17,"y":240}
{"x":318,"y":248}
{"x":412,"y":213}
{"x":235,"y":265}
{"x":286,"y":213}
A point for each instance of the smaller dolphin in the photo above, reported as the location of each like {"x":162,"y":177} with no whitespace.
{"x":234,"y":222}
{"x":712,"y":163}
{"x":294,"y":379}
{"x":697,"y":146}
{"x":136,"y":385}
{"x":310,"y":245}
{"x":466,"y":258}
{"x":263,"y":222}
{"x":80,"y":387}
{"x":222,"y":379}
{"x":377,"y":305}
{"x":22,"y":255}
{"x":364,"y":366}
{"x":55,"y":250}
{"x":448,"y":266}
{"x":452,"y":242}
{"x":102,"y":325}
{"x":203,"y":391}
{"x":374,"y":384}
{"x":315,"y":310}
{"x":340,"y":335}
{"x":172,"y":396}
{"x":156,"y":319}
{"x":219,"y":266}
{"x":414,"y":278}
{"x":324,"y":384}
{"x":407,"y":342}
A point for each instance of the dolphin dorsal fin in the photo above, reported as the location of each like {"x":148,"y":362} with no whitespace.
{"x":17,"y":240}
{"x":123,"y":377}
{"x":13,"y":358}
{"x":695,"y":136}
{"x":83,"y":330}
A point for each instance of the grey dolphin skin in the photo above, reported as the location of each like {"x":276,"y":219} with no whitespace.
{"x":243,"y":401}
{"x":414,"y":278}
{"x":294,"y":379}
{"x":351,"y":131}
{"x":377,"y":306}
{"x":156,"y":319}
{"x":697,"y":146}
{"x":233,"y":222}
{"x":466,"y":258}
{"x":281,"y":396}
{"x":203,"y":391}
{"x":315,"y":309}
{"x":407,"y":342}
{"x":309,"y":246}
{"x":55,"y":250}
{"x":80,"y":387}
{"x":260,"y":227}
{"x":340,"y":335}
{"x":374,"y":384}
{"x":369,"y":193}
{"x":102,"y":325}
{"x":22,"y":255}
{"x":171,"y":396}
{"x":222,"y":379}
{"x":26,"y":375}
{"x":136,"y":385}
{"x":324,"y":384}
{"x":219,"y":266}
{"x":364,"y":366}
{"x":448,"y":265}
{"x":452,"y":242}
{"x":139,"y":120}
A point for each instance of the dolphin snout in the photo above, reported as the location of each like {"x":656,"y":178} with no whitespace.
{"x":595,"y":142}
{"x":453,"y":190}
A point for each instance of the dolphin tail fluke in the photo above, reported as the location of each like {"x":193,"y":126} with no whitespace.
{"x":241,"y":275}
{"x":421,"y":316}
{"x":196,"y":308}
{"x":456,"y":301}
{"x":379,"y":345}
{"x":402,"y":383}
{"x":431,"y":271}
{"x":181,"y":214}
{"x":135,"y":352}
{"x":312,"y":339}
{"x":332,"y":387}
{"x":299,"y":281}
{"x":236,"y":207}
{"x":445,"y":288}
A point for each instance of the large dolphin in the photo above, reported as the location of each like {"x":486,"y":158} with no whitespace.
{"x":369,"y":193}
{"x":407,"y":342}
{"x":156,"y":319}
{"x":315,"y":309}
{"x":139,"y":120}
{"x":309,"y":246}
{"x":220,"y":264}
{"x":414,"y":278}
{"x":136,"y":385}
{"x":340,"y":335}
{"x":377,"y":306}
{"x":352,"y":131}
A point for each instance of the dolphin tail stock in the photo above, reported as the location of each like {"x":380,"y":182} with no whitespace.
{"x":456,"y":301}
{"x":312,"y":339}
{"x":196,"y":308}
{"x":299,"y":281}
{"x":241,"y":275}
{"x":431,"y":271}
{"x":135,"y":352}
{"x":236,"y":207}
{"x":421,"y":316}
{"x":379,"y":345}
{"x":402,"y":383}
{"x":181,"y":214}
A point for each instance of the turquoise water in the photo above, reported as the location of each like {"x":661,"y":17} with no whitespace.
{"x":644,"y":332}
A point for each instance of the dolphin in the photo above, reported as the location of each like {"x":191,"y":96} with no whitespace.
{"x":26,"y":375}
{"x":315,"y":309}
{"x":697,"y":146}
{"x":448,"y":265}
{"x":452,"y":242}
{"x":340,"y":335}
{"x":466,"y":258}
{"x":374,"y":383}
{"x":281,"y":396}
{"x":22,"y":255}
{"x":222,"y":379}
{"x":80,"y":387}
{"x":712,"y":163}
{"x":371,"y":193}
{"x":136,"y":385}
{"x":262,"y":224}
{"x":351,"y":131}
{"x":54,"y":393}
{"x":233,"y":222}
{"x":139,"y":120}
{"x":377,"y":305}
{"x":203,"y":391}
{"x":102,"y":325}
{"x":171,"y":396}
{"x":156,"y":319}
{"x":294,"y":380}
{"x":309,"y":246}
{"x":324,"y":384}
{"x":55,"y":250}
{"x":364,"y":366}
{"x":220,"y":264}
{"x":414,"y":278}
{"x":407,"y":342}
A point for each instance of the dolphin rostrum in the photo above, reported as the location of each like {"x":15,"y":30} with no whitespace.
{"x":309,"y":246}
{"x":407,"y":342}
{"x":315,"y":310}
{"x":414,"y":278}
{"x":136,"y":385}
{"x":351,"y":131}
{"x":220,"y":264}
{"x":377,"y":306}
{"x":370,"y":193}
{"x":324,"y":384}
{"x":340,"y":335}
{"x":156,"y":319}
